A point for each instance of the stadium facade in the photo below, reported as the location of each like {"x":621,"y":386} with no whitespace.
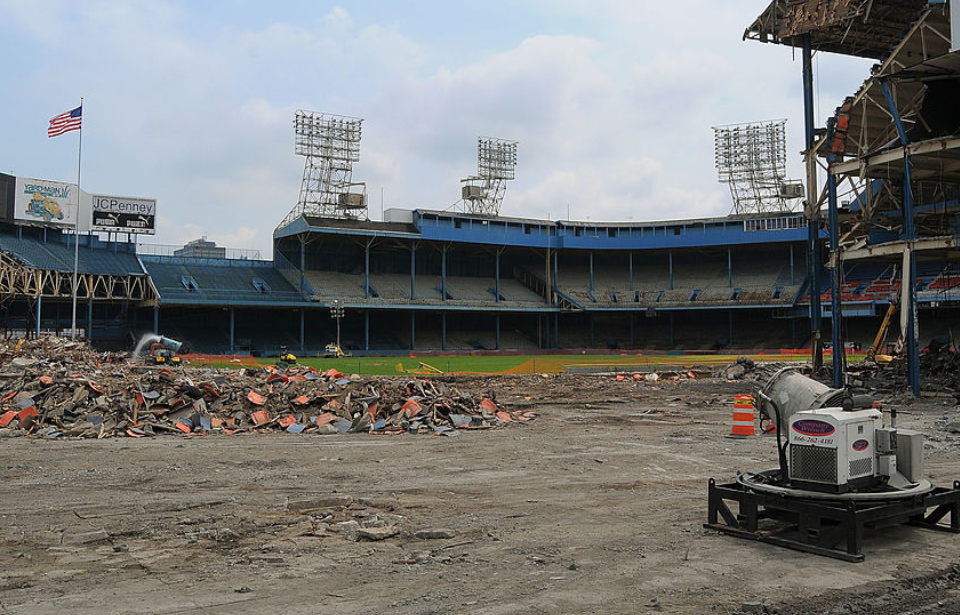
{"x":434,"y":280}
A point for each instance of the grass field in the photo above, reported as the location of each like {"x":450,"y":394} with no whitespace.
{"x":523,"y":364}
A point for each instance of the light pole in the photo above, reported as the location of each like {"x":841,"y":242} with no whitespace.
{"x":336,"y":312}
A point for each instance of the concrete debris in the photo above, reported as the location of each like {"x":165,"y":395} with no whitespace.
{"x":738,"y":370}
{"x":85,"y":538}
{"x":436,"y":534}
{"x":415,"y":558}
{"x":333,"y":501}
{"x":345,"y":527}
{"x":376,"y":533}
{"x":55,"y":388}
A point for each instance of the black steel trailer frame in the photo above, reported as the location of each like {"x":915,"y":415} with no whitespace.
{"x":833,"y":528}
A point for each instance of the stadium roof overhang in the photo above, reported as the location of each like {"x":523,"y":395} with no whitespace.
{"x":862,"y":28}
{"x":603,"y":224}
{"x":917,"y":86}
{"x":346,"y":226}
{"x":445,"y":227}
{"x":905,"y":110}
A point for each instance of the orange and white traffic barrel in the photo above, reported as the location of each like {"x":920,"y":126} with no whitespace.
{"x":744,"y":414}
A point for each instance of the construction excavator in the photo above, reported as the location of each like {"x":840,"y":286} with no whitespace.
{"x":878,"y":342}
{"x":164,"y":351}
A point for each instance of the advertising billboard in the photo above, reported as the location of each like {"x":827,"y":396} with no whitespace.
{"x":44,"y":202}
{"x":123,"y":214}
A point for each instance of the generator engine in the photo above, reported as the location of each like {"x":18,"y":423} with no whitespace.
{"x":841,"y":471}
{"x":836,"y":450}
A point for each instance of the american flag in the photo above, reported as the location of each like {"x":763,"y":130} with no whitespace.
{"x":65,"y":122}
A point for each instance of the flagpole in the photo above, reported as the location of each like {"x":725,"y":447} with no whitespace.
{"x":76,"y":234}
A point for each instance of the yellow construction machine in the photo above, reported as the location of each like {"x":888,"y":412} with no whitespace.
{"x":878,"y":342}
{"x":333,"y":351}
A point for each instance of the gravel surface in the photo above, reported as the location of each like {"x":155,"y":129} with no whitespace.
{"x":595,"y":507}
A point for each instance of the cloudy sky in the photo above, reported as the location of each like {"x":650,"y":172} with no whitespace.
{"x":192,"y":103}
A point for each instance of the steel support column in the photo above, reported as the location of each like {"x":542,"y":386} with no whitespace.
{"x":37,"y":327}
{"x":909,"y":302}
{"x":670,"y":267}
{"x":413,"y":330}
{"x":497,"y":330}
{"x":836,"y":316}
{"x":812,"y":209}
{"x":591,"y":272}
{"x":556,"y":271}
{"x":443,"y":274}
{"x":496,"y":280}
{"x":303,"y":260}
{"x":366,"y":330}
{"x":548,"y":274}
{"x":413,"y":271}
{"x":792,"y":274}
{"x":631,"y":272}
{"x":156,"y":320}
{"x":556,"y":329}
{"x":729,"y":267}
{"x":897,"y":122}
{"x":232,"y":329}
{"x":303,"y":328}
{"x":366,"y":270}
{"x":913,"y":348}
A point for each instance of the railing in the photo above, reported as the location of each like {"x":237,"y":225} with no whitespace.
{"x":168,"y":250}
{"x":293,"y":274}
{"x":538,"y":285}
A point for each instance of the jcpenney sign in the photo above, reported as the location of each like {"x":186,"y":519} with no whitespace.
{"x":124,"y":214}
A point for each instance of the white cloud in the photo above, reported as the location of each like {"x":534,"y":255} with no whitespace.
{"x":339,"y":18}
{"x":613,"y":116}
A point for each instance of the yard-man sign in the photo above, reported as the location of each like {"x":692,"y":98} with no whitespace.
{"x":124,"y":214}
{"x":45,"y":202}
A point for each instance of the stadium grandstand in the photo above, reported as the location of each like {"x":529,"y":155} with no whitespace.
{"x":432,"y":280}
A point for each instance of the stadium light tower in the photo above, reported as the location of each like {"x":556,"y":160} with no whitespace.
{"x":330,"y":144}
{"x":496,"y":164}
{"x":752,"y":160}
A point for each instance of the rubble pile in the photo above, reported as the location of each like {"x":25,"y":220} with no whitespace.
{"x":53,"y":388}
{"x":745,"y":368}
{"x":738,"y":370}
{"x":939,"y":373}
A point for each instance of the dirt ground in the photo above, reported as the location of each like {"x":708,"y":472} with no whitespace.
{"x":595,"y":507}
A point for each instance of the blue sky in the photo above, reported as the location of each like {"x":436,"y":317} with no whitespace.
{"x":192,"y":103}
